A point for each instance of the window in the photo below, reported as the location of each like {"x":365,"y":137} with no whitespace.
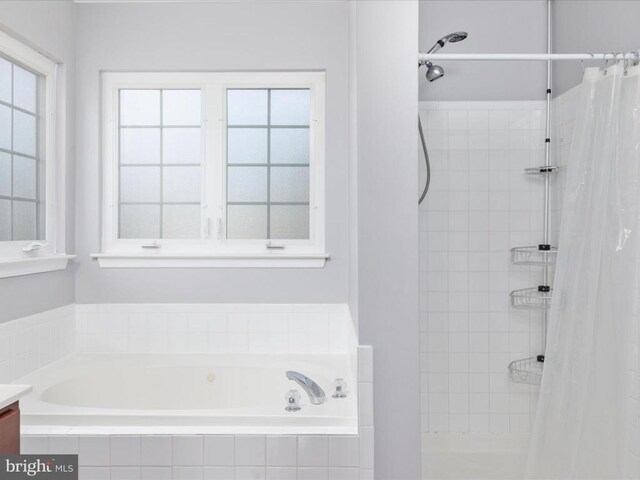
{"x":208,"y":169}
{"x":21,"y":165}
{"x":31,"y":232}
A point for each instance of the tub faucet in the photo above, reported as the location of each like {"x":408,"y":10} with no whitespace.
{"x":316,"y":394}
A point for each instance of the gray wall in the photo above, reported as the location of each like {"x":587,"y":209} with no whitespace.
{"x":591,"y":26}
{"x":49,"y":27}
{"x":387,"y":89}
{"x":213,"y":36}
{"x":494,"y":26}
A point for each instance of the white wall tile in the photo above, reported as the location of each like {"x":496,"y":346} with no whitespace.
{"x":281,"y":473}
{"x":313,"y":451}
{"x":187,"y":450}
{"x":219,"y":450}
{"x":125,"y":450}
{"x":155,"y":473}
{"x":250,"y":450}
{"x":344,"y":451}
{"x":282,"y":451}
{"x":156,"y":450}
{"x":250,"y":473}
{"x":125,"y":473}
{"x":94,"y":451}
{"x":187,"y":473}
{"x":94,"y":473}
{"x":200,"y":328}
{"x":219,"y":473}
{"x":34,"y":444}
{"x":313,"y":473}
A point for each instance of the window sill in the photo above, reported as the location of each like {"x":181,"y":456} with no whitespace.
{"x":154,"y":260}
{"x":13,"y":267}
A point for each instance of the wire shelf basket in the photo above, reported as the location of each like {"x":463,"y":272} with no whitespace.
{"x":534,"y":256}
{"x":527,"y":370}
{"x":542,"y":170}
{"x":531,"y":299}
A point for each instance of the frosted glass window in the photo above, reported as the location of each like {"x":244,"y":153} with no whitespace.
{"x":290,"y":221}
{"x":25,"y":89}
{"x":5,"y":127}
{"x":140,"y":145}
{"x":247,"y":107}
{"x":24,"y":133}
{"x":24,"y":220}
{"x":139,"y":221}
{"x":159,"y":130}
{"x":181,"y":107}
{"x":290,"y":184}
{"x":246,"y":221}
{"x":290,"y":145}
{"x":290,"y":107}
{"x":24,"y":177}
{"x":247,"y":145}
{"x":5,"y":80}
{"x":264,"y":149}
{"x":139,"y":184}
{"x":5,"y":174}
{"x":181,"y":221}
{"x":181,"y":184}
{"x":5,"y":220}
{"x":140,"y":107}
{"x":181,"y":145}
{"x":247,"y":184}
{"x":20,"y":124}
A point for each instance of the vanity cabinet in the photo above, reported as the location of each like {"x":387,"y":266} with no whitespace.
{"x":10,"y":429}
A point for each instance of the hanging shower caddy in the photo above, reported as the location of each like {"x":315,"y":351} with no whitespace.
{"x":529,"y":370}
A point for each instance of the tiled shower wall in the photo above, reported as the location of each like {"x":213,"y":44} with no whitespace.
{"x":479,"y":206}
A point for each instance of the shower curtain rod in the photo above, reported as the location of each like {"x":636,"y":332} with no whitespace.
{"x":424,"y":57}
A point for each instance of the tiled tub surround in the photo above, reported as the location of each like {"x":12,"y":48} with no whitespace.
{"x":187,"y":452}
{"x":214,"y":328}
{"x":33,"y":342}
{"x":103,"y":455}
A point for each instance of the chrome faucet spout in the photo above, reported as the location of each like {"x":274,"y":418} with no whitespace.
{"x":316,"y":394}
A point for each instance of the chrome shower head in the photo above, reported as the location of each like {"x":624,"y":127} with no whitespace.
{"x":455,"y":37}
{"x":451,"y":38}
{"x":434,"y":72}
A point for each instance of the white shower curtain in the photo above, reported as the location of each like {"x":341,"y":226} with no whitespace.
{"x":582,"y":420}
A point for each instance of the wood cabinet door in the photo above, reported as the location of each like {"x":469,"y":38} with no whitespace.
{"x":10,"y":429}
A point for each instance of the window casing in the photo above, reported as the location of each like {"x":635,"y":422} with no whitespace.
{"x":31,"y":202}
{"x":206,"y":214}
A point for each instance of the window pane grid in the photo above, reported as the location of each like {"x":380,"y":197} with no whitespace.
{"x":270,"y":166}
{"x":133,"y":213}
{"x":21,"y":224}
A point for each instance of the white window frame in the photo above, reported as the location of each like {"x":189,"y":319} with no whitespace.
{"x":213,"y":248}
{"x":46,"y":254}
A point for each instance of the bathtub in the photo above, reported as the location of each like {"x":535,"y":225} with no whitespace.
{"x":186,"y":393}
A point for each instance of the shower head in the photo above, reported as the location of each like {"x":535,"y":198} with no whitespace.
{"x":434,"y":72}
{"x":451,"y":38}
{"x":456,"y":37}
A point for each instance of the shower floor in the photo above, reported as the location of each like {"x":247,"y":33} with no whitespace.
{"x":473,"y":457}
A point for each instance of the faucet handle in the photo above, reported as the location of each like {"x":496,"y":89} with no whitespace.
{"x":293,"y":401}
{"x":340,"y":388}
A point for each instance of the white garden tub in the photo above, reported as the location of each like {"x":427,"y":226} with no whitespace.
{"x":184,"y":393}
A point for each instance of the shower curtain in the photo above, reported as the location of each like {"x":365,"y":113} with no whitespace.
{"x":581,"y":426}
